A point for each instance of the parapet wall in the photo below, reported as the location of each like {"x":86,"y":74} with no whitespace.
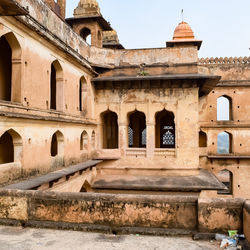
{"x":67,"y":210}
{"x":224,"y":60}
{"x":246,"y":219}
{"x":152,"y":56}
{"x":43,"y":20}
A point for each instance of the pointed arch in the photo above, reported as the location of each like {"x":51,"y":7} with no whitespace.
{"x":10,"y":147}
{"x":57,"y":144}
{"x":109,"y":120}
{"x":84,"y":141}
{"x":83,"y":95}
{"x":164,"y":129}
{"x":226,"y":177}
{"x":10,"y":68}
{"x":137,"y":130}
{"x":85,"y":33}
{"x":202,"y":139}
{"x":224,"y":108}
{"x":224,"y":143}
{"x":56,"y":86}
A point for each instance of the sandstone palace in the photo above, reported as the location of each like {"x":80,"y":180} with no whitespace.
{"x":93,"y":133}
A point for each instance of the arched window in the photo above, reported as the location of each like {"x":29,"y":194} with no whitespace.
{"x":10,"y":147}
{"x":202,"y":139}
{"x":164,"y":129}
{"x":56,"y":86}
{"x":5,"y":69}
{"x":137,"y":131}
{"x":224,"y":143}
{"x":93,"y":139}
{"x":226,"y":177}
{"x":84,"y":141}
{"x":83,"y":94}
{"x":85,"y":33}
{"x":10,"y":68}
{"x":57,"y":147}
{"x":110,"y":130}
{"x":224,"y":108}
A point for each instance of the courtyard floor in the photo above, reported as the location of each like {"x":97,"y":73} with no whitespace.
{"x":15,"y":238}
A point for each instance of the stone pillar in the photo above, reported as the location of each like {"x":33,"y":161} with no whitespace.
{"x":100,"y":136}
{"x":59,"y":94}
{"x":150,"y":140}
{"x":16,"y":91}
{"x":123,"y":138}
{"x":18,"y":147}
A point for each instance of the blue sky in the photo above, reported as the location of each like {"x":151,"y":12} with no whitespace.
{"x":223,"y":25}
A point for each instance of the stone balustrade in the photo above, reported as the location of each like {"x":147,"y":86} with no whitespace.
{"x":224,"y":60}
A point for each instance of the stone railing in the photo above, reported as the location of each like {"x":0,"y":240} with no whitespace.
{"x":136,"y":152}
{"x":224,"y":60}
{"x":164,"y":152}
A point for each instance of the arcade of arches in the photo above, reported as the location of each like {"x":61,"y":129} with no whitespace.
{"x":137,"y":130}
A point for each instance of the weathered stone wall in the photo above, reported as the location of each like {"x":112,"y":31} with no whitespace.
{"x":234,"y":84}
{"x":151,"y":101}
{"x":246,"y":219}
{"x":29,"y":113}
{"x":220,"y":215}
{"x":154,"y":56}
{"x":36,"y":144}
{"x":169,"y":212}
{"x":48,"y":24}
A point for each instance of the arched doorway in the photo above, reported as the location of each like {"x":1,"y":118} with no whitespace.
{"x":137,"y":130}
{"x":6,"y":148}
{"x":5,"y":69}
{"x":57,"y":144}
{"x":10,"y":147}
{"x":84,"y":141}
{"x":226,"y":177}
{"x":83,"y":95}
{"x":202,"y":139}
{"x":56,"y":86}
{"x":10,"y":68}
{"x":110,"y":130}
{"x":164,"y":129}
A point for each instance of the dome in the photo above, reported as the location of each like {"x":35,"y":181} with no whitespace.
{"x":110,"y":37}
{"x":87,"y":8}
{"x":183,"y":32}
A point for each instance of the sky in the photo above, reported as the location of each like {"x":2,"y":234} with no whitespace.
{"x":223,"y":25}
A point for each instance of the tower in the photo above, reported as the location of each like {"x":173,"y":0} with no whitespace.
{"x":88,"y":21}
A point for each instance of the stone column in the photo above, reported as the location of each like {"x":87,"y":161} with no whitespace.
{"x":123,"y":137}
{"x":16,"y":91}
{"x":59,"y":94}
{"x":150,"y":140}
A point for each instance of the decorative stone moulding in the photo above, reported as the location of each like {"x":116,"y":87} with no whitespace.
{"x":225,"y":60}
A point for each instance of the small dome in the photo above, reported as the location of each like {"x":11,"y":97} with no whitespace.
{"x":87,"y":8}
{"x":110,"y":37}
{"x":183,"y":32}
